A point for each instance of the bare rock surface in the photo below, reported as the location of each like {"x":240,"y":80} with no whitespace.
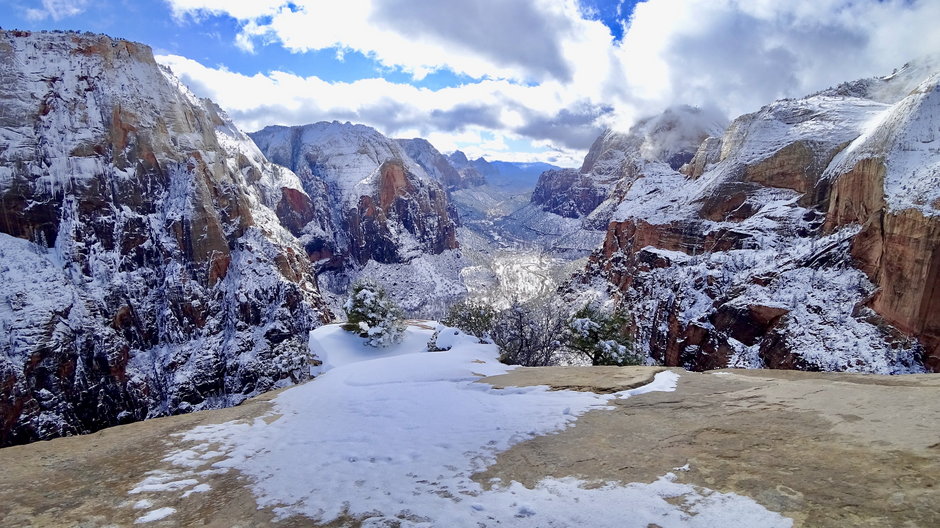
{"x":823,"y":449}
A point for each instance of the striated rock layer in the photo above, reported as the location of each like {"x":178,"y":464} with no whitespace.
{"x":145,"y":270}
{"x":804,"y":237}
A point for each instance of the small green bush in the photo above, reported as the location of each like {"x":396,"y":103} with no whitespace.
{"x":473,"y":318}
{"x":601,"y":337}
{"x":373,"y":315}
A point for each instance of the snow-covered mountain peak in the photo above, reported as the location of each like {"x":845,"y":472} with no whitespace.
{"x":346,"y":155}
{"x":906,"y":140}
{"x":671,"y":137}
{"x":437,"y":166}
{"x":675,"y":134}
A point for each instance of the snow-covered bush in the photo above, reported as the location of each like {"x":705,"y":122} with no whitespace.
{"x":373,"y":315}
{"x":474,"y":318}
{"x":443,"y":338}
{"x":530,"y":333}
{"x":600,"y":337}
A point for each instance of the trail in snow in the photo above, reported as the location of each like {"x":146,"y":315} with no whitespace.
{"x":396,"y":435}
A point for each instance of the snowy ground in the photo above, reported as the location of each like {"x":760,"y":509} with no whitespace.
{"x":393,"y":436}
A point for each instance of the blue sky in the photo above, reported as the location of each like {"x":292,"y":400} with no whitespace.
{"x":508,"y":79}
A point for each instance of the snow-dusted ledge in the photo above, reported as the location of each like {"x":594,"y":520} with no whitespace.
{"x":397,"y":433}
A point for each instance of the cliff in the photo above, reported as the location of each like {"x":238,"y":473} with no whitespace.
{"x":382,"y":205}
{"x":804,"y":237}
{"x":145,"y":268}
{"x":670,"y":138}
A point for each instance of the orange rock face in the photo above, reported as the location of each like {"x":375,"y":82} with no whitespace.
{"x":162,"y":264}
{"x":899,"y":251}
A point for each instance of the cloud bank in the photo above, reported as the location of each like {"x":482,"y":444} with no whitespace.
{"x":549,"y":72}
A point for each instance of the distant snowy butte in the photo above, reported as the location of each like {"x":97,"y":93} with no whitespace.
{"x":382,"y":204}
{"x":804,"y":236}
{"x":406,"y":437}
{"x":377,"y":212}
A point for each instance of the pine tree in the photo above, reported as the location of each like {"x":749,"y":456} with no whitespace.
{"x":601,"y":337}
{"x":373,"y":315}
{"x":473,"y":318}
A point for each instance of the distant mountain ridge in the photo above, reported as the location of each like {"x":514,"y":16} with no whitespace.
{"x":383,"y":206}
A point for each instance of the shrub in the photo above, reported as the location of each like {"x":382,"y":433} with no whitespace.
{"x":529,"y":333}
{"x":600,"y":337}
{"x":472,"y":318}
{"x":373,"y":315}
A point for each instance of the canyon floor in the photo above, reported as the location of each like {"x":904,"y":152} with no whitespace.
{"x":819,"y":449}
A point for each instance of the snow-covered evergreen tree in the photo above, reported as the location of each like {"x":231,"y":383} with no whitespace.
{"x":473,"y":317}
{"x":600,"y":337}
{"x":373,"y":315}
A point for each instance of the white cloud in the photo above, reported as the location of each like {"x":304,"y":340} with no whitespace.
{"x":516,"y":39}
{"x":486,"y":114}
{"x":240,"y":9}
{"x":57,"y":9}
{"x":544,"y":70}
{"x":741,"y":54}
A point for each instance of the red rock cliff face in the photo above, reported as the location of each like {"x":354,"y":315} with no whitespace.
{"x":162,"y":281}
{"x":898,"y":250}
{"x":398,"y":200}
{"x":763,"y":252}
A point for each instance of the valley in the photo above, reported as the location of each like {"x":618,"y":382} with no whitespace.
{"x":540,"y":263}
{"x":747,"y":244}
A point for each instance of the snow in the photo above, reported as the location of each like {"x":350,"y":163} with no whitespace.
{"x":395,"y":436}
{"x":155,"y":515}
{"x":345,"y":155}
{"x":199,"y":488}
{"x":67,"y":99}
{"x":422,"y":287}
{"x":907,"y":138}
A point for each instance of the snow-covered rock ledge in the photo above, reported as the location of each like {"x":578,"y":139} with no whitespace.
{"x":406,"y":437}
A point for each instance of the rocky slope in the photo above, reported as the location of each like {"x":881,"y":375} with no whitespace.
{"x":384,"y":206}
{"x":383,"y":216}
{"x":472,"y":173}
{"x":145,"y":270}
{"x":436,"y":164}
{"x":803,"y":237}
{"x":671,"y":137}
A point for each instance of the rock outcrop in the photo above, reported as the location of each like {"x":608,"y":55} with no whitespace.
{"x":472,"y":173}
{"x":145,"y":270}
{"x":436,"y":165}
{"x":671,"y":138}
{"x":804,"y":237}
{"x":383,"y":206}
{"x":568,"y":193}
{"x":888,"y":182}
{"x":743,"y":432}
